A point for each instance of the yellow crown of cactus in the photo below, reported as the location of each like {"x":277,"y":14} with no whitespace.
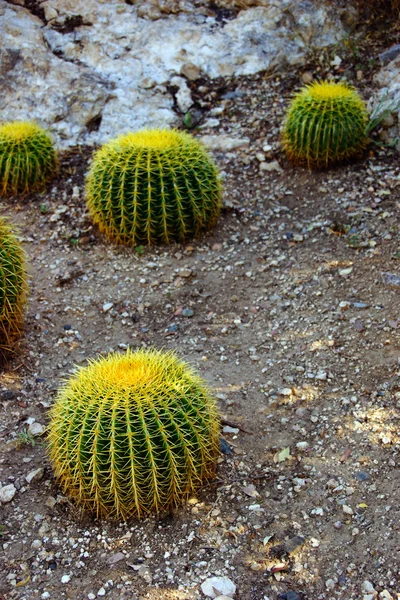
{"x":13,"y":288}
{"x":132,"y":434}
{"x":326,"y":123}
{"x":153,"y":186}
{"x":27,"y":158}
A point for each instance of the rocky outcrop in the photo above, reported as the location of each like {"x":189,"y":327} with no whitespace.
{"x":91,"y":69}
{"x":387,"y":100}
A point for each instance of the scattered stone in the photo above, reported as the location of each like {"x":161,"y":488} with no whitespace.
{"x":144,"y":572}
{"x":115,"y":558}
{"x":391,"y":279}
{"x":286,"y":392}
{"x":360,"y":305}
{"x":271,"y":166}
{"x":36,"y":429}
{"x":359,"y":326}
{"x":347,"y":510}
{"x":35,"y":475}
{"x":291,"y":595}
{"x":187,"y":312}
{"x":332,"y":484}
{"x":228,"y":429}
{"x":251,"y":491}
{"x":185,"y":273}
{"x":294,"y":543}
{"x":218,"y":586}
{"x":224,"y":143}
{"x":225,"y":447}
{"x":183,"y":96}
{"x":107,"y":306}
{"x":307,"y":77}
{"x":321,"y":376}
{"x":51,"y":502}
{"x":7,"y":493}
{"x":390,"y":54}
{"x":367,"y":586}
{"x":65,"y":578}
{"x":302,"y":445}
{"x":385,"y":595}
{"x":330,"y":584}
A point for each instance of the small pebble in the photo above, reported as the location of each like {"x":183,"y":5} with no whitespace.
{"x":36,"y":429}
{"x":367,"y":586}
{"x":361,"y":476}
{"x":302,"y":445}
{"x":217,"y":586}
{"x":347,"y":510}
{"x":330,"y":584}
{"x":35,"y":475}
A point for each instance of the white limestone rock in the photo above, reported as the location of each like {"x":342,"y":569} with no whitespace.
{"x":35,"y":475}
{"x":388,"y":97}
{"x":224,"y":143}
{"x":110,"y":74}
{"x":218,"y":586}
{"x":37,"y":85}
{"x":7,"y":493}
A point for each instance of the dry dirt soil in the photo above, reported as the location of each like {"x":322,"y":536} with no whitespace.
{"x":290,"y":309}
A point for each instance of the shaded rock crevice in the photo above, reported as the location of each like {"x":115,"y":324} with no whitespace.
{"x":32,"y":6}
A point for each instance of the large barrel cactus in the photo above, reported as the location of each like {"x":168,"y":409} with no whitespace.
{"x":13,"y":288}
{"x":133,"y":434}
{"x":153,"y":186}
{"x":326,"y":123}
{"x":27,"y":158}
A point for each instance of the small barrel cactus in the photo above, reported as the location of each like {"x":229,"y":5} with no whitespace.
{"x":326,"y":123}
{"x":133,"y":434}
{"x":13,"y":288}
{"x":27,"y":158}
{"x":153,"y":186}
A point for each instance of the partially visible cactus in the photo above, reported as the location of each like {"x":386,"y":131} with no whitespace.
{"x":133,"y":434}
{"x":27,"y":158}
{"x":326,"y":123}
{"x":153,"y":186}
{"x":13,"y":288}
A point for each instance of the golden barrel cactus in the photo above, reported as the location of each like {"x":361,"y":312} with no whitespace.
{"x":133,"y":434}
{"x":27,"y":158}
{"x":326,"y":123}
{"x":153,"y":186}
{"x":13,"y":288}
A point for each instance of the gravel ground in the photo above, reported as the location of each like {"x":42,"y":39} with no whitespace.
{"x":289,"y":308}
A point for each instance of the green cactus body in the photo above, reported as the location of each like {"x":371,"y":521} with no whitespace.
{"x":133,"y":434}
{"x":27,"y":158}
{"x":153,"y":186}
{"x":13,"y":288}
{"x":325,"y":124}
